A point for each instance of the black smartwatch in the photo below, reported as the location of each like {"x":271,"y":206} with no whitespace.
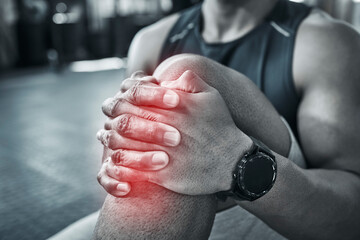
{"x":254,"y":174}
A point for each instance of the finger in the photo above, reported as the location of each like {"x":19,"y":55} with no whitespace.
{"x":111,"y":185}
{"x":137,"y":128}
{"x":125,"y":174}
{"x":146,"y":161}
{"x":114,"y":141}
{"x":123,"y":107}
{"x":108,"y":106}
{"x":114,"y":187}
{"x":143,"y":95}
{"x":129,"y":82}
{"x":188,"y":82}
{"x":146,"y":95}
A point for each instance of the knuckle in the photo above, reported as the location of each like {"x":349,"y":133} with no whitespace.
{"x":121,"y":101}
{"x":118,"y":157}
{"x":99,"y":134}
{"x":108,"y":106}
{"x":110,"y":139}
{"x":135,"y":91}
{"x":124,"y":84}
{"x":124,"y":124}
{"x":103,"y":137}
{"x":111,"y":105}
{"x":117,"y":105}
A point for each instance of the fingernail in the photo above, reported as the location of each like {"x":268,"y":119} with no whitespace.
{"x":171,"y":99}
{"x":159,"y":159}
{"x":123,"y":187}
{"x":171,"y":138}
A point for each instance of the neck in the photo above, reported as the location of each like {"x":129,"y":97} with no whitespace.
{"x":226,"y":20}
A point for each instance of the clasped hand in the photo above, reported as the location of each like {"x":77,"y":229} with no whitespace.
{"x":178,"y":134}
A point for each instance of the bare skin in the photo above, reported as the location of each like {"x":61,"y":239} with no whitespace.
{"x":327,"y":123}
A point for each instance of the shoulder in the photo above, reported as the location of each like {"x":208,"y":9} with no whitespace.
{"x":152,"y":31}
{"x":326,"y":49}
{"x":325,"y":31}
{"x":147,"y":44}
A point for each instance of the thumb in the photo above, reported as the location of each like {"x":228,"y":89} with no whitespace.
{"x":188,"y":82}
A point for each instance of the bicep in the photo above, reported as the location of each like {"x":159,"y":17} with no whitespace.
{"x":326,"y":61}
{"x":328,"y":119}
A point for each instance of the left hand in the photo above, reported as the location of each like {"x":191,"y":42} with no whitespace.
{"x":210,"y":146}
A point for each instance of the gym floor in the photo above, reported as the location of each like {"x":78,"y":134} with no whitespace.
{"x":49,"y":155}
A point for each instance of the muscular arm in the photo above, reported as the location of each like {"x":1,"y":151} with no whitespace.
{"x":324,"y":198}
{"x":319,"y":203}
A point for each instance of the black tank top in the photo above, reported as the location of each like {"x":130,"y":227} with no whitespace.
{"x":264,"y":55}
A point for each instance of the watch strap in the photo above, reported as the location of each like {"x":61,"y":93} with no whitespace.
{"x":236,"y":192}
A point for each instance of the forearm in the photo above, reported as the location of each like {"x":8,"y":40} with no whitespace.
{"x":303,"y":204}
{"x":153,"y":212}
{"x":310,"y":204}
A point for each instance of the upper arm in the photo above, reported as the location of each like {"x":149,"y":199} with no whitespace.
{"x":328,"y":63}
{"x":145,"y":49}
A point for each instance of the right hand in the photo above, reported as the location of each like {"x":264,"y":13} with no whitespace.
{"x":134,"y":164}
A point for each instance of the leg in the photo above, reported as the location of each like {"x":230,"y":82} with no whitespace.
{"x":152,"y":212}
{"x":79,"y":230}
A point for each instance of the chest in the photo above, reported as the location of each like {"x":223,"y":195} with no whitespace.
{"x":265,"y":56}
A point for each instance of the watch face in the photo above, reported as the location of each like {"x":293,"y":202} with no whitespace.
{"x":258,"y":174}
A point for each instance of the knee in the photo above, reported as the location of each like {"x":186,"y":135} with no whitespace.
{"x":173,"y":67}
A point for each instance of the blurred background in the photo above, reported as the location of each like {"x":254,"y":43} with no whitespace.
{"x":59,"y":59}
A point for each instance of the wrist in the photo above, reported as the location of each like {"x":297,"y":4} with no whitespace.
{"x":240,"y":145}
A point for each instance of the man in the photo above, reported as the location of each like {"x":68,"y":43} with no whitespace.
{"x":187,"y":127}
